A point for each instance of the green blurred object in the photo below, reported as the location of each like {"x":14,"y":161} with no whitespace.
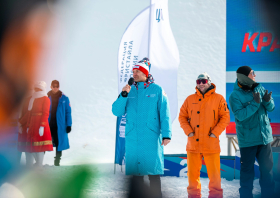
{"x":75,"y":185}
{"x":56,"y":182}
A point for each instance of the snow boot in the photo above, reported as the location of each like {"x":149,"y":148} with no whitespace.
{"x":57,"y":157}
{"x":155,"y":186}
{"x":57,"y":161}
{"x":138,"y":189}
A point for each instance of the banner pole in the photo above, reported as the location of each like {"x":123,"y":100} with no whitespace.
{"x":115,"y":148}
{"x":149,"y":37}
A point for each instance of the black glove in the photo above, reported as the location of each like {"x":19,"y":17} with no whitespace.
{"x":68,"y":129}
{"x":257,"y":97}
{"x":267,"y":97}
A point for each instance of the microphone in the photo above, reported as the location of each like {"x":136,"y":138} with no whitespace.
{"x":130,"y":82}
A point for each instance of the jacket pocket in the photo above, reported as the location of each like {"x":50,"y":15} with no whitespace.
{"x":252,"y":132}
{"x":128,"y":128}
{"x":192,"y":143}
{"x":213,"y":144}
{"x":153,"y":127}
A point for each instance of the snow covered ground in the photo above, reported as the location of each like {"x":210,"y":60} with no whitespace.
{"x":107,"y":184}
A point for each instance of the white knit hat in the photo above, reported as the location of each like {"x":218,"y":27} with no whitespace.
{"x":142,"y":67}
{"x":204,"y":76}
{"x":41,"y":85}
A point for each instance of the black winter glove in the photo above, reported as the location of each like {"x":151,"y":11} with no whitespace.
{"x":267,"y":97}
{"x":257,"y":97}
{"x":68,"y":129}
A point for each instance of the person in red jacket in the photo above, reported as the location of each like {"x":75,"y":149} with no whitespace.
{"x":38,"y":132}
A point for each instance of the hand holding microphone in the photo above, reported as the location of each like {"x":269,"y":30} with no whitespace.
{"x":126,"y":88}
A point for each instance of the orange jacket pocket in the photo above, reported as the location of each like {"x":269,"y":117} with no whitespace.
{"x":213,"y":143}
{"x":192,"y":143}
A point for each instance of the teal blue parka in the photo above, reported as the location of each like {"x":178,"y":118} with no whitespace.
{"x":64,"y":119}
{"x":251,"y":119}
{"x":147,"y":122}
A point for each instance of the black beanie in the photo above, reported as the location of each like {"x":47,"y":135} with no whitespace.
{"x":244,"y":70}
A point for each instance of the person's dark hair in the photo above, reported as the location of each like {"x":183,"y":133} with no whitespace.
{"x":55,"y":82}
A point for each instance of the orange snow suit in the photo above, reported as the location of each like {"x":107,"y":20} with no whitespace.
{"x":204,"y":114}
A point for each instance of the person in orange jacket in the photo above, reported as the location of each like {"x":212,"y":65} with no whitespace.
{"x":203,"y":117}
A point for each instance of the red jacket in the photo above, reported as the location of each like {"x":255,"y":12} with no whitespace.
{"x":34,"y":119}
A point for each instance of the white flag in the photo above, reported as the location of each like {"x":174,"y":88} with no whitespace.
{"x":149,"y":35}
{"x":164,"y":53}
{"x":133,"y":46}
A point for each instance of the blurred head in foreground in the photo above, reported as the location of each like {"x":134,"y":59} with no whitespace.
{"x":22,"y":27}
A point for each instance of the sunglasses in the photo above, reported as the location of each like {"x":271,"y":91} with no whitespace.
{"x":203,"y":81}
{"x":253,"y":73}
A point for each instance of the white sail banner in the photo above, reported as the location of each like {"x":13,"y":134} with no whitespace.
{"x":164,"y":53}
{"x":133,"y":46}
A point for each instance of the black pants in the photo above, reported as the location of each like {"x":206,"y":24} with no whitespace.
{"x":263,"y":153}
{"x":139,"y":189}
{"x":55,"y":141}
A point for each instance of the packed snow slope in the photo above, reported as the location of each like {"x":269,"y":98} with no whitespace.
{"x":102,"y":182}
{"x":81,"y":52}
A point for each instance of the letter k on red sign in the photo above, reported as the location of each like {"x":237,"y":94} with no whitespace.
{"x":249,"y":41}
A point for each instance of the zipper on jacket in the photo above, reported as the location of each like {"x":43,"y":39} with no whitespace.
{"x":214,"y":115}
{"x":191,"y":116}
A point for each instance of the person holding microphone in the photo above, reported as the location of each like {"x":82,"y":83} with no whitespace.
{"x":148,"y":126}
